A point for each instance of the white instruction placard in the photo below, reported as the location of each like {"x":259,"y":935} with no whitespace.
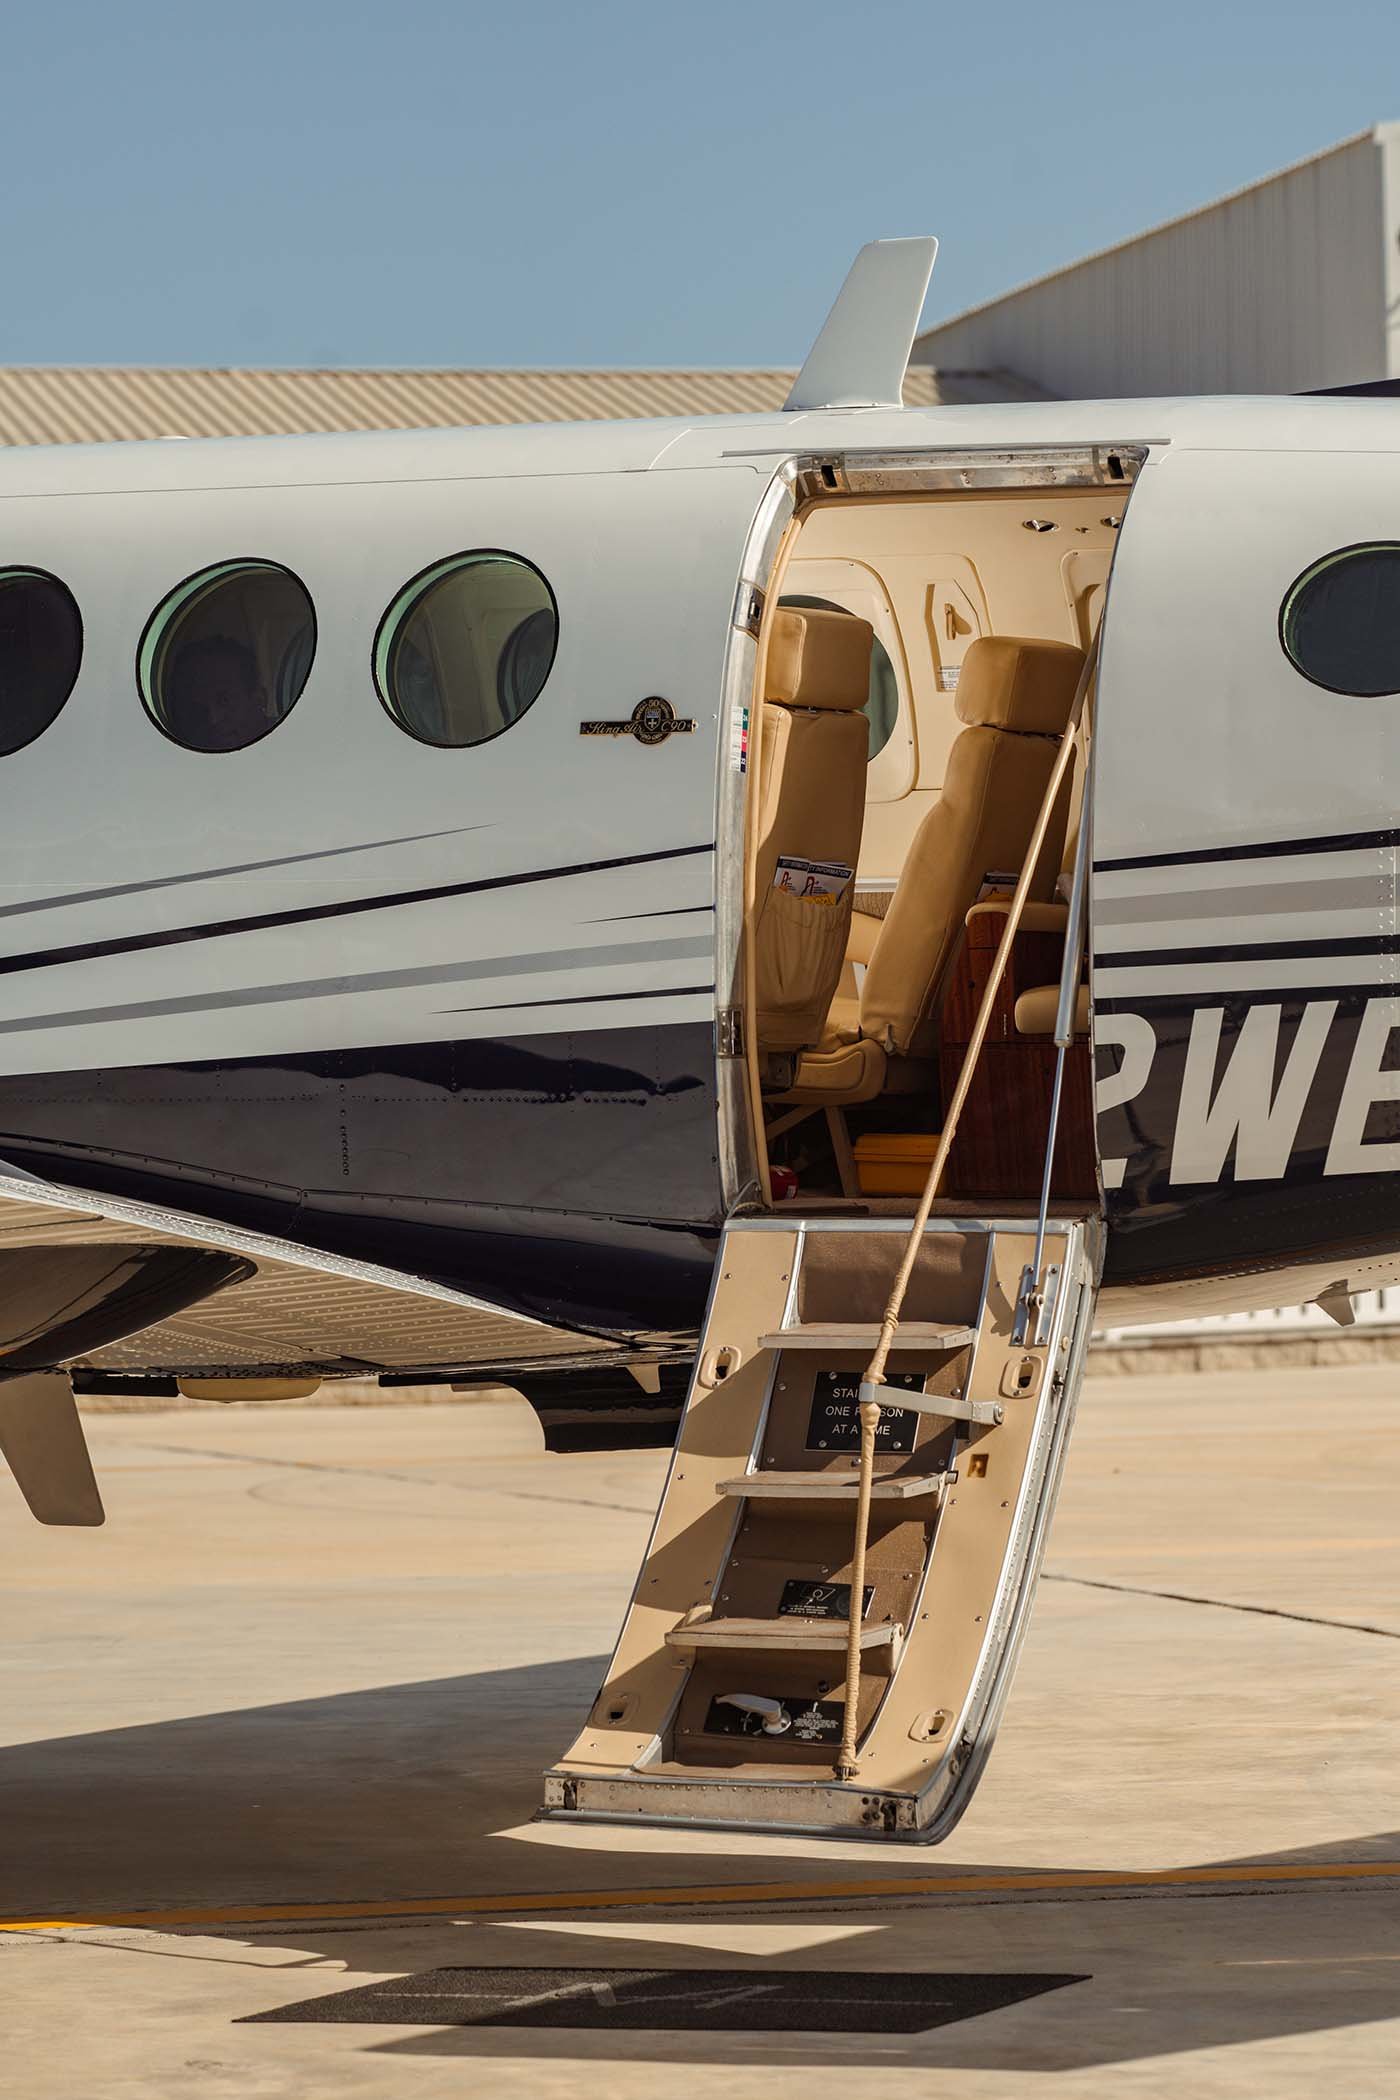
{"x":821,"y":881}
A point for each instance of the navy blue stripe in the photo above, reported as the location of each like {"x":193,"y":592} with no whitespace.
{"x":1272,"y":849}
{"x":131,"y":944}
{"x":1250,"y":951}
{"x":1186,"y":1002}
{"x":240,"y":867}
{"x":500,"y":1006}
{"x":673,"y":911}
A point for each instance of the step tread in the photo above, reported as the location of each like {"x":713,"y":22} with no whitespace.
{"x":805,"y":1635}
{"x":842,"y":1334}
{"x":831,"y":1487}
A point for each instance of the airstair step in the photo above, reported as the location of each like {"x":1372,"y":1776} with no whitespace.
{"x":791,"y":1636}
{"x":832,"y":1487}
{"x":726,"y":1700}
{"x":832,"y":1335}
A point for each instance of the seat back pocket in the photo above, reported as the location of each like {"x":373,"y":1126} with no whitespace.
{"x":801,"y":947}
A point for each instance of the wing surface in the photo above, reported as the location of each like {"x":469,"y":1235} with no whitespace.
{"x":286,"y":1311}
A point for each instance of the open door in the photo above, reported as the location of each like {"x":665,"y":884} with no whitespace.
{"x":725,"y":1699}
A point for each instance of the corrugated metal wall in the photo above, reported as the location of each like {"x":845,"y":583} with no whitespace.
{"x":1279,"y":288}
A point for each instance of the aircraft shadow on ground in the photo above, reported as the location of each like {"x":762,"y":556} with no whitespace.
{"x":380,"y":1793}
{"x":392,"y":1795}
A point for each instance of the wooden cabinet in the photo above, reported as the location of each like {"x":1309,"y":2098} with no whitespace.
{"x":1000,"y":1148}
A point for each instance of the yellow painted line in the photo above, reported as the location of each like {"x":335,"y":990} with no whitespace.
{"x":1048,"y":1882}
{"x":1239,"y":1549}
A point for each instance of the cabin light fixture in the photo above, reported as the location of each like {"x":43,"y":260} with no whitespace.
{"x":1112,"y":523}
{"x":1039,"y":525}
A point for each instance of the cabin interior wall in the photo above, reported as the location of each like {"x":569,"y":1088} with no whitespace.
{"x":970,"y":564}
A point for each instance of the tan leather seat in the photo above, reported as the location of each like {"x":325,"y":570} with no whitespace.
{"x":1014,"y":696}
{"x":814,"y":742}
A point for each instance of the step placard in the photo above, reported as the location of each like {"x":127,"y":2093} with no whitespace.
{"x":809,"y":1721}
{"x":834,"y":1424}
{"x":821,"y":1600}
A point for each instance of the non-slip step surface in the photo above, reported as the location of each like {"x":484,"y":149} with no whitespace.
{"x":831,"y":1487}
{"x":793,"y":1635}
{"x":838,"y":1334}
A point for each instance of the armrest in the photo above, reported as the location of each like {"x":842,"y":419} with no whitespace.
{"x":1036,"y":918}
{"x":1036,"y":1010}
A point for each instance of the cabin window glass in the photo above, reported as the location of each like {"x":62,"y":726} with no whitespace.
{"x":224,"y":658}
{"x":1340,"y":622}
{"x":881,"y":709}
{"x":466,"y":647}
{"x":41,"y":647}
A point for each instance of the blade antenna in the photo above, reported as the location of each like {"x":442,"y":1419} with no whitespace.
{"x":860,"y":357}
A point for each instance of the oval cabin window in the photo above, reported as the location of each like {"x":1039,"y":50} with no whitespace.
{"x":881,"y":709}
{"x":41,"y":647}
{"x":1340,"y":622}
{"x":225,"y":657}
{"x":466,"y":647}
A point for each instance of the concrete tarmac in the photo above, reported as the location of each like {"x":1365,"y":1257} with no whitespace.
{"x":274,"y":1735}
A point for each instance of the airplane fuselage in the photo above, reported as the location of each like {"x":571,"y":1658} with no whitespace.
{"x":469,"y":1009}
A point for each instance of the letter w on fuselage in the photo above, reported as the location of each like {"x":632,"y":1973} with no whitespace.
{"x":1245,"y":1109}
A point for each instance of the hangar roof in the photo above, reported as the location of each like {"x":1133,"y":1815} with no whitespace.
{"x":85,"y":404}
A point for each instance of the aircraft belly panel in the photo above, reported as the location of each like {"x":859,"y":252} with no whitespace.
{"x":570,"y":1177}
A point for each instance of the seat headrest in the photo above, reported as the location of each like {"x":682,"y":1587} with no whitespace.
{"x":818,"y":659}
{"x":1008,"y":682}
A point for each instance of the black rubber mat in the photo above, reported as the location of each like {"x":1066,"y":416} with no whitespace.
{"x":735,"y":2001}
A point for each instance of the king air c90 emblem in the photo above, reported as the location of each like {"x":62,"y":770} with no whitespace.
{"x":651,"y":721}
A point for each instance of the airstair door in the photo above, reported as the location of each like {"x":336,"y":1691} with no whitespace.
{"x":725,"y":1701}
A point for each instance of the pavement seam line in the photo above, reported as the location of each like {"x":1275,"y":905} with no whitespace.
{"x":1263,"y":1611}
{"x":461,"y":1487}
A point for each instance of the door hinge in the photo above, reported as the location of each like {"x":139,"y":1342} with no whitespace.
{"x":748,"y":608}
{"x":729,"y":1031}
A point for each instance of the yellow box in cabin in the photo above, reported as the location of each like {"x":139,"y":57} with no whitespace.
{"x":889,"y":1163}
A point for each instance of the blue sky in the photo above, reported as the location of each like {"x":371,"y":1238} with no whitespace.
{"x":610,"y":182}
